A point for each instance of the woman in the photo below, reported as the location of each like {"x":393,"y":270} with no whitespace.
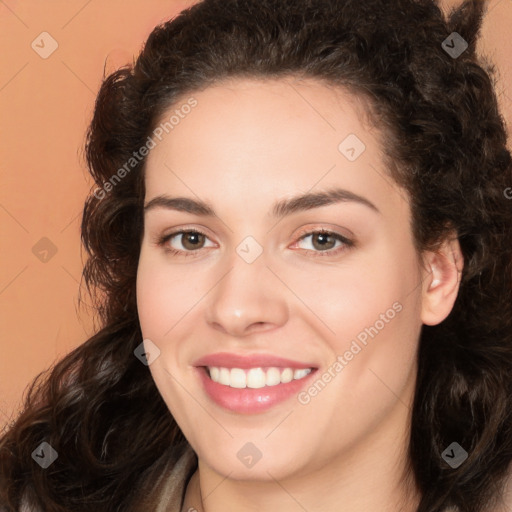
{"x":302,"y":248}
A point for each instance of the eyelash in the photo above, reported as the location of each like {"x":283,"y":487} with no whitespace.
{"x":162,"y":241}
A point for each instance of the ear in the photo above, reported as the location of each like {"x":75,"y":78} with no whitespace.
{"x":441,"y":274}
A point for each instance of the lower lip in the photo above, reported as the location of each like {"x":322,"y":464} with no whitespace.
{"x":249,"y":400}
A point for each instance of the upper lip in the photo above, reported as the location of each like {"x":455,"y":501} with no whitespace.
{"x":227,"y":360}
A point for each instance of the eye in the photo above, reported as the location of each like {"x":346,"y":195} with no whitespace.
{"x":323,"y":241}
{"x":191,"y":239}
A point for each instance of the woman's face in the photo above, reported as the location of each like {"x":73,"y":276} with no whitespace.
{"x":260,"y":295}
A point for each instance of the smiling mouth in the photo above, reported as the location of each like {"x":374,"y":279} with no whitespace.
{"x":255,"y":378}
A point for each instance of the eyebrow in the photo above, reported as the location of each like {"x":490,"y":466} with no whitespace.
{"x":280,"y":209}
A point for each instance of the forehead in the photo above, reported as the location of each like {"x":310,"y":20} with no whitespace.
{"x":266,"y":137}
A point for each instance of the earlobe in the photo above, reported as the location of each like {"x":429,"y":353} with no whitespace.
{"x":441,"y":279}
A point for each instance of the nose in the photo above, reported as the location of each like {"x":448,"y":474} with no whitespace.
{"x":248,"y":299}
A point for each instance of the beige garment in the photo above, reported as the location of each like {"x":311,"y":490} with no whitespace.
{"x":175,"y":485}
{"x":165,"y":488}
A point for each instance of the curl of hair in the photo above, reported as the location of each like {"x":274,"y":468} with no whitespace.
{"x":445,"y":143}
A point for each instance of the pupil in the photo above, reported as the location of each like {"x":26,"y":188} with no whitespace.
{"x":191,"y":239}
{"x":322,"y":239}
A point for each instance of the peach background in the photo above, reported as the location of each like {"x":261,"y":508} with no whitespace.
{"x":45,"y":107}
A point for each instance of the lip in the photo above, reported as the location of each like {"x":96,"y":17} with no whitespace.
{"x":227,"y":360}
{"x":249,"y":400}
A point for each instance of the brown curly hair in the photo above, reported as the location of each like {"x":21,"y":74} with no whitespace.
{"x":445,"y":144}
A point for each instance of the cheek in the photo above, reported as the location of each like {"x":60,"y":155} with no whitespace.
{"x":374,"y":313}
{"x":164,"y":294}
{"x":162,"y":302}
{"x":345,"y":299}
{"x":377,"y":324}
{"x":150,"y":298}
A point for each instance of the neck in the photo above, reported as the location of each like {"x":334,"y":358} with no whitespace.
{"x":211,"y":493}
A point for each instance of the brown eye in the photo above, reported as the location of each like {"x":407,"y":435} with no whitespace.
{"x":323,"y":241}
{"x":192,"y":240}
{"x":184,"y":242}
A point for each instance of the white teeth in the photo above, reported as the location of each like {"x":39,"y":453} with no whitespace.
{"x":224,"y":376}
{"x":298,"y":374}
{"x":287,"y":375}
{"x":237,"y":378}
{"x":273,"y":377}
{"x":214,"y":374}
{"x":255,"y":377}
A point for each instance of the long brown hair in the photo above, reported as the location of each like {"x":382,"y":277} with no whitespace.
{"x":445,"y":144}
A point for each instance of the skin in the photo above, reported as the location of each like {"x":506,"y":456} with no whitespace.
{"x":246,"y":144}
